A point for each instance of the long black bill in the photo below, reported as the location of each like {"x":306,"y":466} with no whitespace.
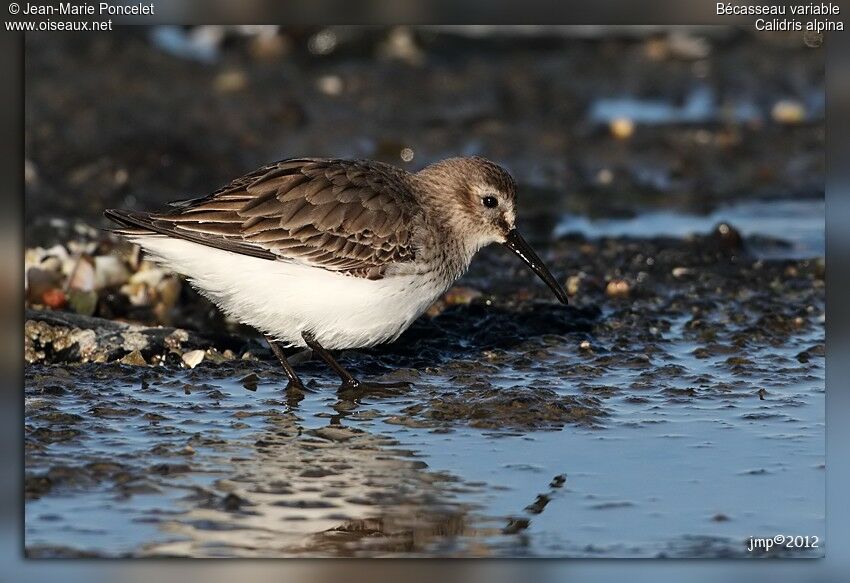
{"x":520,"y":246}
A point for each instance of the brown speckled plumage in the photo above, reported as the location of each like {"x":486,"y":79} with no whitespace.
{"x":360,"y":218}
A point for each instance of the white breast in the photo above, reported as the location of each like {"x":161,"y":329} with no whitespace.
{"x":284,"y":299}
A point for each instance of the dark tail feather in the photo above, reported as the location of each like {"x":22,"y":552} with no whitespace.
{"x":131,"y":222}
{"x":141,"y":223}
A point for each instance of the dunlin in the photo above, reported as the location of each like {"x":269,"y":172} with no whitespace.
{"x":335,"y":254}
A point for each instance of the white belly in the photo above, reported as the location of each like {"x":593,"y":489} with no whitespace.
{"x":284,"y":299}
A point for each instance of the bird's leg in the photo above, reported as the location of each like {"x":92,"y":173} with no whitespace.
{"x":349,"y":383}
{"x":294,"y":388}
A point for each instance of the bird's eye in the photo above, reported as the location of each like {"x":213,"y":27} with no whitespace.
{"x":490,"y":202}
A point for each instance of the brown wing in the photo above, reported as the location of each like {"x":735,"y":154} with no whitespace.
{"x":346,"y":216}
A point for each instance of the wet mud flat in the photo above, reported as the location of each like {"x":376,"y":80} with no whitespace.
{"x":674,"y":409}
{"x":673,"y":180}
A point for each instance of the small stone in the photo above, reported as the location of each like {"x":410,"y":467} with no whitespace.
{"x":618,"y":288}
{"x":232,"y":502}
{"x":109,"y":271}
{"x":728,"y":237}
{"x":82,"y":302}
{"x":330,"y":85}
{"x":686,"y":46}
{"x":401,"y":45}
{"x":460,"y":295}
{"x":134,"y":358}
{"x":121,"y":177}
{"x":332,"y":433}
{"x":193,"y":358}
{"x":137,"y":293}
{"x":214,"y":356}
{"x":621,"y":128}
{"x":605,"y":176}
{"x":250,"y":381}
{"x":268,"y":47}
{"x":538,"y":505}
{"x":585,"y":345}
{"x":54,"y":299}
{"x":680,"y":272}
{"x":39,"y":281}
{"x":323,"y":42}
{"x":82,"y":274}
{"x":516,"y":525}
{"x":788,"y":112}
{"x":173,"y":340}
{"x":148,"y":274}
{"x":573,"y":285}
{"x":230,"y":81}
{"x":720,"y":517}
{"x":435,"y":309}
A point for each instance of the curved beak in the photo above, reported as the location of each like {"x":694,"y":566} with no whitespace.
{"x":520,"y":246}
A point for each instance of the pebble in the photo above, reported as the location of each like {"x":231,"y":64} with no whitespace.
{"x":147,"y":275}
{"x":82,"y":274}
{"x":109,"y":271}
{"x":334,"y":433}
{"x":39,"y":281}
{"x":54,"y":299}
{"x":558,"y":481}
{"x":268,"y":47}
{"x":401,"y":45}
{"x":460,"y":295}
{"x":330,"y":85}
{"x":82,"y":302}
{"x":618,"y":288}
{"x":230,"y":81}
{"x":728,"y":237}
{"x":193,"y":358}
{"x":573,"y":284}
{"x":788,"y":112}
{"x":621,"y":128}
{"x":134,"y":358}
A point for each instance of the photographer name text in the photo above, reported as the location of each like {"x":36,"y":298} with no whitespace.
{"x":98,"y":9}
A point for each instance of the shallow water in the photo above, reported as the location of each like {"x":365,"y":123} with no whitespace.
{"x":798,"y":222}
{"x":700,"y":105}
{"x":690,"y":469}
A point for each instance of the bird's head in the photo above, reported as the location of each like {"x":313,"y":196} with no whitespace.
{"x":478,"y":199}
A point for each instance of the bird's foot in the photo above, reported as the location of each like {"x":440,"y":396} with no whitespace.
{"x":354,"y":389}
